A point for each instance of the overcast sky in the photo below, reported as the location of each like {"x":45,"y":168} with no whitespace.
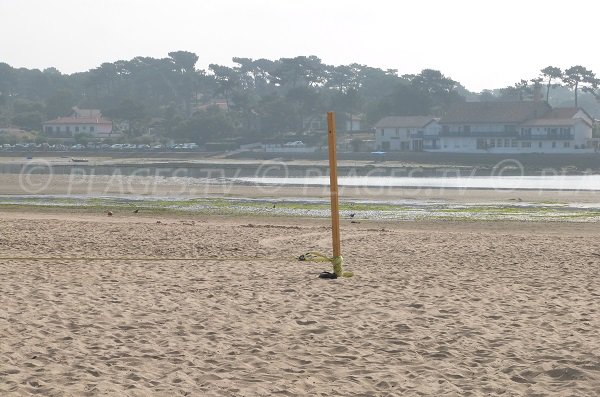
{"x":480,"y":43}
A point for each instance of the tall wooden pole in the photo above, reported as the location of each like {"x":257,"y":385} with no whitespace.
{"x":333,"y":185}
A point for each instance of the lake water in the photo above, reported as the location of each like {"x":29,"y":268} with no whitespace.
{"x":553,"y":182}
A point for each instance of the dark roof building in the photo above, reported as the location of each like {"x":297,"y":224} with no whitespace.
{"x":405,"y":121}
{"x":493,"y":127}
{"x":494,"y":112}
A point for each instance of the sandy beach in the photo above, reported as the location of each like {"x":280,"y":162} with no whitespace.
{"x":435,"y":308}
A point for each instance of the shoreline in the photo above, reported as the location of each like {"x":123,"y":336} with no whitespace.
{"x":253,"y":164}
{"x":81,"y":184}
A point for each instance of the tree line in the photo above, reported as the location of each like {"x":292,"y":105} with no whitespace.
{"x":255,"y":99}
{"x":576,"y":78}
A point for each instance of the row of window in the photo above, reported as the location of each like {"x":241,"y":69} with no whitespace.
{"x":397,"y":132}
{"x":67,"y":128}
{"x":513,"y":143}
{"x":513,"y":129}
{"x":467,"y":128}
{"x":557,"y":132}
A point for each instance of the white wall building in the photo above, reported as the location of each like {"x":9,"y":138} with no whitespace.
{"x":404,"y":133}
{"x":82,"y":121}
{"x":493,"y":127}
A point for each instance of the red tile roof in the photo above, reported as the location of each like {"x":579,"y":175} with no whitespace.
{"x":79,"y":120}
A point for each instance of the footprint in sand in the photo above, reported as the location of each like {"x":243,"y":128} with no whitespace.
{"x":323,"y":240}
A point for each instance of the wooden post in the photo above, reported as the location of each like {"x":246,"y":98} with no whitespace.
{"x":333,"y":185}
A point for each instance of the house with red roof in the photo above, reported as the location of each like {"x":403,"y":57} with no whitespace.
{"x":81,"y":121}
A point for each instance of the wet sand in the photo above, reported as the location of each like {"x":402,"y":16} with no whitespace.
{"x":97,"y":185}
{"x":435,"y":308}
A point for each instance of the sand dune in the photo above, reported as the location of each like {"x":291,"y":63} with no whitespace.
{"x":470,"y":308}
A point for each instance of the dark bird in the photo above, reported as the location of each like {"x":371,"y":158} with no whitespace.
{"x":109,"y":213}
{"x":273,"y":205}
{"x":136,"y":211}
{"x":352,"y":215}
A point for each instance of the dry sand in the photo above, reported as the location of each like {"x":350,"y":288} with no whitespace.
{"x":472,"y":308}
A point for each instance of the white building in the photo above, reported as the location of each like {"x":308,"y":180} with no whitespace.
{"x":494,"y":127}
{"x":514,"y":127}
{"x":403,"y":133}
{"x":81,"y":121}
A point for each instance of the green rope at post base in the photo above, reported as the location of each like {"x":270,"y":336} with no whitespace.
{"x":337,"y":262}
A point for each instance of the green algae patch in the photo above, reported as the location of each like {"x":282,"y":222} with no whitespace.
{"x":355,"y":210}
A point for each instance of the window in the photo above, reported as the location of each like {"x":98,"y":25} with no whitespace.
{"x":48,"y":129}
{"x":91,"y":129}
{"x":566,"y":144}
{"x":507,"y":143}
{"x":540,"y":144}
{"x":525,"y":144}
{"x":553,"y":144}
{"x":499,"y":143}
{"x":510,"y":128}
{"x":380,"y":131}
{"x":77,"y":129}
{"x":68,"y":129}
{"x":492,"y":143}
{"x":514,"y":143}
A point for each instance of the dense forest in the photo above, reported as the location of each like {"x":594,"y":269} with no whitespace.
{"x":165,"y":99}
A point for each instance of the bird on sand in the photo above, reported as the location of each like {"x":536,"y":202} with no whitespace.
{"x":136,"y":211}
{"x":109,"y":213}
{"x":352,"y":215}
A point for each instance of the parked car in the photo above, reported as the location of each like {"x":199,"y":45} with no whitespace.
{"x":295,"y":144}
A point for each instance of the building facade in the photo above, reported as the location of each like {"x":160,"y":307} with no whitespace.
{"x":407,"y":133}
{"x":81,"y":121}
{"x":498,"y":127}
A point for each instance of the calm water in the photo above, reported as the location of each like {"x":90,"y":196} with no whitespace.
{"x":558,"y":182}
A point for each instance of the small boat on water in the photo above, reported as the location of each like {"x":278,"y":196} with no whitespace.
{"x":79,"y":160}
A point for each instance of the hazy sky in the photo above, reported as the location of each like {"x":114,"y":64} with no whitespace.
{"x":480,"y":43}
